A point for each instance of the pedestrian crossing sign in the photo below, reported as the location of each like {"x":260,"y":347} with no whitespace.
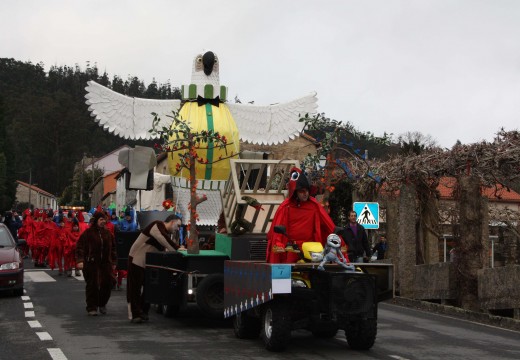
{"x":367,"y":214}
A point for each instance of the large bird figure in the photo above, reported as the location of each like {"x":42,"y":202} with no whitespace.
{"x":204,"y":105}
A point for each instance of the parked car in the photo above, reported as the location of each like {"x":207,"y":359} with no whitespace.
{"x":11,"y":262}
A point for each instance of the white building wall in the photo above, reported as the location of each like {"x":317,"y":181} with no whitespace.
{"x":109,"y":163}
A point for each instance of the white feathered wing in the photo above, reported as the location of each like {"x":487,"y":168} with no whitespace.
{"x":272,"y":124}
{"x":127,"y":117}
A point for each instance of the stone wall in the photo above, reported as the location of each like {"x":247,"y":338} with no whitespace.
{"x":435,"y":282}
{"x":498,"y":288}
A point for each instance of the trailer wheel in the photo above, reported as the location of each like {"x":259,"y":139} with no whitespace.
{"x":246,"y":327}
{"x":325,"y":333}
{"x":170,"y":310}
{"x":361,"y":334}
{"x":210,"y":295}
{"x":276,"y":325}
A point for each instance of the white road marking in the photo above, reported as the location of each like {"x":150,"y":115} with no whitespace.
{"x":38,"y":276}
{"x":397,"y":357}
{"x":56,"y":354}
{"x":34,"y":324}
{"x":44,"y":335}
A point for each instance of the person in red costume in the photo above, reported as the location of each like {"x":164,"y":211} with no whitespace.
{"x":27,"y":231}
{"x":304,"y":218}
{"x":69,"y":250}
{"x":45,"y":232}
{"x":57,"y":242}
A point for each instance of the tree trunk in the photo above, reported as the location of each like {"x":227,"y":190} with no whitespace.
{"x":471,"y":251}
{"x":407,"y":241}
{"x":429,"y":230}
{"x":392,"y":230}
{"x":193,"y":237}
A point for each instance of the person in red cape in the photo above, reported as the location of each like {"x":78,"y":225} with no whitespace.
{"x":27,"y":230}
{"x":304,"y":218}
{"x":56,"y":245}
{"x":45,"y":231}
{"x":82,"y":224}
{"x":72,"y":236}
{"x":36,"y":248}
{"x":109,"y":225}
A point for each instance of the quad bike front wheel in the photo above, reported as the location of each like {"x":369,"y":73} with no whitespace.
{"x":361,"y":334}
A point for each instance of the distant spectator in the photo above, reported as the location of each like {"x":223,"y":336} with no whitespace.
{"x":13,"y":223}
{"x":453,"y":254}
{"x":381,"y":248}
{"x":128,"y":223}
{"x":114,"y":220}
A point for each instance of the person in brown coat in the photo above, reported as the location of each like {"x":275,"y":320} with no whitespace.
{"x":155,"y":237}
{"x":96,"y":256}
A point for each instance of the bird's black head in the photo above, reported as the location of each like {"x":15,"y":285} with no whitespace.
{"x":208,"y":60}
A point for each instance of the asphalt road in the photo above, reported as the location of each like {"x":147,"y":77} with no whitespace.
{"x":67,"y":332}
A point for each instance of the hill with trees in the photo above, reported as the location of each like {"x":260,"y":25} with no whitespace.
{"x":45,"y":126}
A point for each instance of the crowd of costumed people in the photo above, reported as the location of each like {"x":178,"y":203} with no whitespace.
{"x":51,"y":236}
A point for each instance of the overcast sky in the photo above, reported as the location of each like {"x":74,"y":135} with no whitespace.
{"x":449,"y":69}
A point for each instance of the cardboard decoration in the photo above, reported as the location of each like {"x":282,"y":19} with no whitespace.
{"x":139,"y":161}
{"x":204,"y":106}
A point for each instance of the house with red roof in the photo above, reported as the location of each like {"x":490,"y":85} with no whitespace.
{"x":33,"y":195}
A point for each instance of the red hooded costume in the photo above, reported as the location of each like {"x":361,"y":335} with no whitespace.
{"x":304,"y":221}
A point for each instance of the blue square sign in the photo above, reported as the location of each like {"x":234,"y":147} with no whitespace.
{"x":367,"y":214}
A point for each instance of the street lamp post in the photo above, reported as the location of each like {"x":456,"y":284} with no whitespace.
{"x":30,"y":187}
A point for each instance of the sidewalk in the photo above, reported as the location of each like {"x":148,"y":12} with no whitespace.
{"x":480,"y":317}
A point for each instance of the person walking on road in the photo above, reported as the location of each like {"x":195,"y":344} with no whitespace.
{"x":356,"y":239}
{"x":155,"y":237}
{"x":96,"y":256}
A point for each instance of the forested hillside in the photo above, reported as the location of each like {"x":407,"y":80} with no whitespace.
{"x":45,"y":125}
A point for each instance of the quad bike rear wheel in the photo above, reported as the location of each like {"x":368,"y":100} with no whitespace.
{"x":276,"y":325}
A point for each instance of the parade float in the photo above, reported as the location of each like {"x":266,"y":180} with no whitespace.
{"x":234,"y":280}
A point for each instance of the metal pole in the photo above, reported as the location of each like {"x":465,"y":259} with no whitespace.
{"x":30,"y":187}
{"x":444,"y":248}
{"x":492,"y":253}
{"x":81,"y":178}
